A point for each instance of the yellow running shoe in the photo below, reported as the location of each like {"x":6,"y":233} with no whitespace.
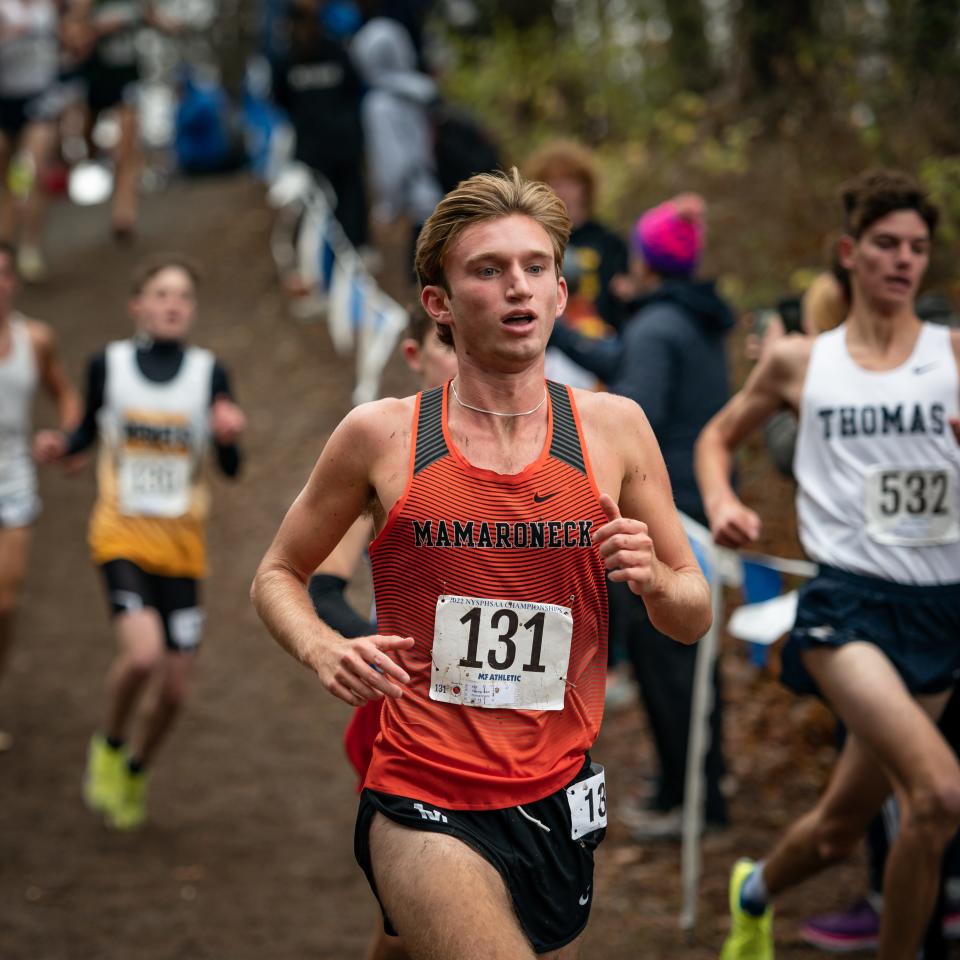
{"x":750,"y":938}
{"x":106,"y":770}
{"x":130,"y":811}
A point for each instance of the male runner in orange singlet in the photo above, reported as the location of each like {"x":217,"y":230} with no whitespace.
{"x":500,"y":502}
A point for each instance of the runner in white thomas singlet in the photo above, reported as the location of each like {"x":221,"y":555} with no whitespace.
{"x":878,"y":472}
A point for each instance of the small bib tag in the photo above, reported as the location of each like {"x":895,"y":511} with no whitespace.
{"x":500,"y":653}
{"x":588,"y":804}
{"x":154,"y":485}
{"x":912,"y":508}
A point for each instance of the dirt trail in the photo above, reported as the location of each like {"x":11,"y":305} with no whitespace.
{"x":249,"y":850}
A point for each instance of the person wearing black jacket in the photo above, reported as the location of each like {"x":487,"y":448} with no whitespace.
{"x":670,"y":358}
{"x":319,"y":88}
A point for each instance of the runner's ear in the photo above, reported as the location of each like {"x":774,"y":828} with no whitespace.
{"x":411,"y":353}
{"x":435,"y":301}
{"x":845,"y":247}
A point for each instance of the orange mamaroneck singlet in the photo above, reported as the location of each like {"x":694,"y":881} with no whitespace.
{"x":486,"y":571}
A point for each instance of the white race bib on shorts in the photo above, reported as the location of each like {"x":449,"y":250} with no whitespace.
{"x":912,"y":507}
{"x":155,"y":484}
{"x":588,"y":804}
{"x":500,"y":653}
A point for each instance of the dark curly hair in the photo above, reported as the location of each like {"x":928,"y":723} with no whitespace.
{"x":875,"y":193}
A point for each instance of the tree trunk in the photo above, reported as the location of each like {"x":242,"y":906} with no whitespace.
{"x":689,"y":50}
{"x":777,"y":47}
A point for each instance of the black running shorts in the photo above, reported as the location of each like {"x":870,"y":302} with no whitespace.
{"x":549,"y":875}
{"x":176,"y":599}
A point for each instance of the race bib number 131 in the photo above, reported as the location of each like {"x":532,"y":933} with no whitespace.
{"x":500,"y":653}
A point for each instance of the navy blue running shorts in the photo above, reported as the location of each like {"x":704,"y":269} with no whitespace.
{"x":917,"y":627}
{"x":549,"y":875}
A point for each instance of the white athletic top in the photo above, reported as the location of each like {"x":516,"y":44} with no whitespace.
{"x":877,"y":466}
{"x":18,"y":381}
{"x":156,"y":433}
{"x":29,"y":59}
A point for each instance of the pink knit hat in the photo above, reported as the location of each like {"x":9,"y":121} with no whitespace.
{"x":670,"y":236}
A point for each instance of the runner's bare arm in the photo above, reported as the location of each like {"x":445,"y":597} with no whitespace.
{"x":54,"y":377}
{"x":775,"y":382}
{"x":338,"y":491}
{"x":643,"y":543}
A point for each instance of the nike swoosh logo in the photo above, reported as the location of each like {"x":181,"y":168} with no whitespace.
{"x":538,"y":499}
{"x":585,"y":899}
{"x":924,"y":367}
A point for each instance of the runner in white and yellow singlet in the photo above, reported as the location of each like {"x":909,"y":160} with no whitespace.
{"x":157,"y":406}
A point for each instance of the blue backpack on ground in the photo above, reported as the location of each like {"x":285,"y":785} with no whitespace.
{"x":206,"y":139}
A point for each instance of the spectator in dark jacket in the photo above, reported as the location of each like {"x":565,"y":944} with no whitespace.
{"x":670,"y":357}
{"x":317,"y":85}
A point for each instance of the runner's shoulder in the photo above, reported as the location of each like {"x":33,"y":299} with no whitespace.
{"x":607,"y":411}
{"x":784,"y":364}
{"x":792,"y":352}
{"x":41,"y":334}
{"x":611,"y":422}
{"x":379,"y":423}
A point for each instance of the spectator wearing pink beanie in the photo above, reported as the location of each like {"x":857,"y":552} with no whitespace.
{"x":670,"y":357}
{"x":670,"y":237}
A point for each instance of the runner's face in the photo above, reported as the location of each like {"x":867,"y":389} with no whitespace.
{"x":504,"y":292}
{"x":434,"y":361}
{"x":888,"y":261}
{"x":166,"y":306}
{"x":573,"y":192}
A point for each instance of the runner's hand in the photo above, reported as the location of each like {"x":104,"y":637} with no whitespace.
{"x":358,"y":670}
{"x":227,"y":421}
{"x":626,"y":548}
{"x":734,"y":524}
{"x":49,"y":446}
{"x":955,"y":427}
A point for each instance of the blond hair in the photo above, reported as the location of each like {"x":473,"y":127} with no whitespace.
{"x":488,"y":196}
{"x":824,"y":304}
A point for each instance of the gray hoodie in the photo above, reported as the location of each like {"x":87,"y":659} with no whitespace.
{"x":396,"y":124}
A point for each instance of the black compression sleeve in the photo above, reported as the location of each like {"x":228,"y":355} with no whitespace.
{"x":86,"y":432}
{"x":220,"y":385}
{"x":229,"y":459}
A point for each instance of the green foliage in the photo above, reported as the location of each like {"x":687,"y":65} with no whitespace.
{"x":528,"y":84}
{"x":941,"y":176}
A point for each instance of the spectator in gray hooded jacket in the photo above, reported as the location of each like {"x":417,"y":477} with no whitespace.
{"x":396,"y":123}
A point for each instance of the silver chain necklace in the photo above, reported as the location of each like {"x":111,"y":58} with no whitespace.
{"x":497,"y":413}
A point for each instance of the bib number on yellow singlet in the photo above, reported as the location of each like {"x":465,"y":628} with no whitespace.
{"x":588,"y":804}
{"x":912,"y":508}
{"x":500,"y":653}
{"x":154,"y":485}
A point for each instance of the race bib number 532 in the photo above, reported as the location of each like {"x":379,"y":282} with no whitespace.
{"x":500,"y":653}
{"x":912,"y":508}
